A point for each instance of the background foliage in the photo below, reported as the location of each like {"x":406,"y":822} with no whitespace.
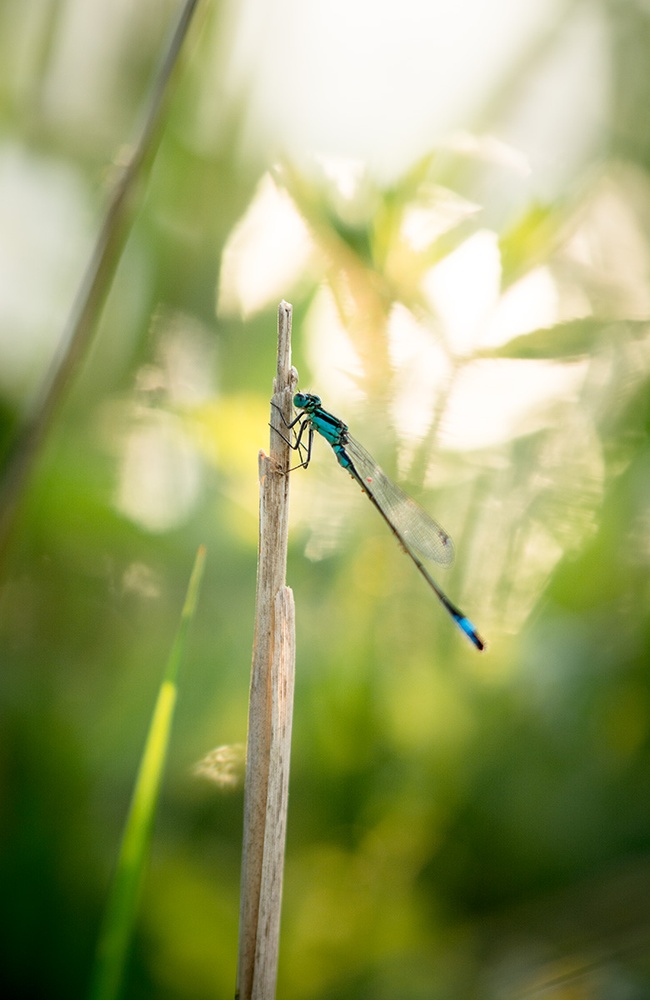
{"x":460,"y":825}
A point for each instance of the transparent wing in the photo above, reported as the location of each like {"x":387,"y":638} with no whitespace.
{"x":411,"y":520}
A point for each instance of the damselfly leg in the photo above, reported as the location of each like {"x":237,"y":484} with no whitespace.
{"x":297,"y":444}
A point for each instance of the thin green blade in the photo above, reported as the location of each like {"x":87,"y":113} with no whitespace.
{"x":119,"y":916}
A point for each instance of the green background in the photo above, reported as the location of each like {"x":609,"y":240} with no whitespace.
{"x":459,"y":825}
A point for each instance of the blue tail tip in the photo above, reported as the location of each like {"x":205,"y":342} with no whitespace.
{"x":470,"y":631}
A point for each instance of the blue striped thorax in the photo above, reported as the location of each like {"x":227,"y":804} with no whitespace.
{"x":328,"y":426}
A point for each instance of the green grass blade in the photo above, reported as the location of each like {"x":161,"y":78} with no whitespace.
{"x":119,"y":916}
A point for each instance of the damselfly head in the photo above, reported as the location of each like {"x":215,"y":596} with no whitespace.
{"x":306,"y":401}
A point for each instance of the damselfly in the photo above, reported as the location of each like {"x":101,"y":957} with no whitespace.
{"x":414,"y":529}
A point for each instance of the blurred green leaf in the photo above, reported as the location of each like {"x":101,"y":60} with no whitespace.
{"x":569,"y":341}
